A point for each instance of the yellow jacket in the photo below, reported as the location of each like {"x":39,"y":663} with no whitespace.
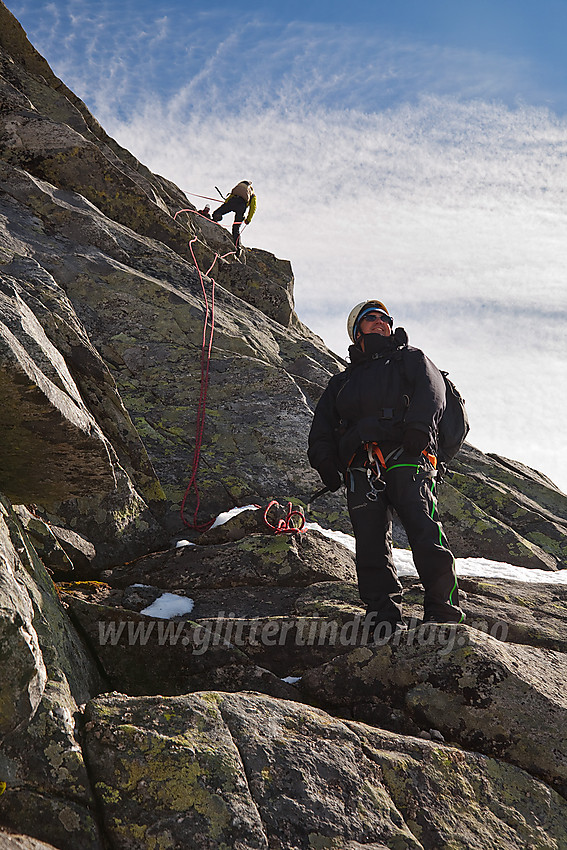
{"x":245,"y":190}
{"x":251,"y":209}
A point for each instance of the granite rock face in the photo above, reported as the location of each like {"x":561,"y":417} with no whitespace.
{"x":172,"y":770}
{"x":502,"y":699}
{"x":252,"y":763}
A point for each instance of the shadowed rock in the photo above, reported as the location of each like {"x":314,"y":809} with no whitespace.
{"x":46,"y":675}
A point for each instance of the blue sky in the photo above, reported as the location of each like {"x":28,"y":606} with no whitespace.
{"x":413,"y":151}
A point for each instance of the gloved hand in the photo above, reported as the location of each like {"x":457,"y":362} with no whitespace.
{"x":330,"y":475}
{"x":415,"y":441}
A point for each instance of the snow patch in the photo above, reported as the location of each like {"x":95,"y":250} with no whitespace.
{"x":473,"y":567}
{"x":169,"y":605}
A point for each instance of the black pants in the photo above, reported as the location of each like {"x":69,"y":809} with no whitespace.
{"x":409,"y":489}
{"x":238,"y":207}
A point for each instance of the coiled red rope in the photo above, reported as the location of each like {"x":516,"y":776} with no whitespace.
{"x":292,"y":523}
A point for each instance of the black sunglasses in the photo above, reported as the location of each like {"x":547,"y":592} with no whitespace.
{"x":371,"y":317}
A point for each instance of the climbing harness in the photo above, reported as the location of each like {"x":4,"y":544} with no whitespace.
{"x":292,"y":523}
{"x":372,"y":466}
{"x":243,"y":224}
{"x":375,"y":463}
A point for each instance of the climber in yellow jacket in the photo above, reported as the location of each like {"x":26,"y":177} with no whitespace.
{"x":240,"y":199}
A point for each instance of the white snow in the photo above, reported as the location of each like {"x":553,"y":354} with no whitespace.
{"x":169,"y":605}
{"x":222,"y":518}
{"x":478,"y":567}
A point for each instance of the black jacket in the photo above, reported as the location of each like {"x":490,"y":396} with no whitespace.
{"x":385,"y":390}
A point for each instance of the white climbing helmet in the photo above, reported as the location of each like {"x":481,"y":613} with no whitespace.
{"x":356,"y":314}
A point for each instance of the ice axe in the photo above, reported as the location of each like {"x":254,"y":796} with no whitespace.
{"x":317,"y":495}
{"x":220,"y":193}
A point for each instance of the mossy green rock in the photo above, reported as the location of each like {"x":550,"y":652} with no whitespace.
{"x":258,"y":559}
{"x":246,"y":771}
{"x":502,"y":507}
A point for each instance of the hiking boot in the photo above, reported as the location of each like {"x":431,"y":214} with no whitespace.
{"x":458,"y":618}
{"x":380,"y":630}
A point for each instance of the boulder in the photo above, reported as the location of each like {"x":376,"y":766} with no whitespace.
{"x":141,"y":654}
{"x":527,"y":613}
{"x":249,"y":771}
{"x":450,"y":798}
{"x":494,"y":505}
{"x":244,"y":614}
{"x":53,"y":445}
{"x":252,"y":520}
{"x":481,"y":693}
{"x":21,"y":661}
{"x":258,"y":559}
{"x":233,"y":633}
{"x":520,"y":612}
{"x":11,"y":841}
{"x":45,"y":541}
{"x":59,"y":456}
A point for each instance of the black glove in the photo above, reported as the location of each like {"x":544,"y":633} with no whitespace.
{"x":415,"y":441}
{"x":330,"y":475}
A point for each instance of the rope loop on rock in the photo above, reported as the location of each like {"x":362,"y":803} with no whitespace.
{"x":292,"y":523}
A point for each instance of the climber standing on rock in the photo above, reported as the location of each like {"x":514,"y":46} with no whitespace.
{"x":240,"y":199}
{"x":376,"y":428}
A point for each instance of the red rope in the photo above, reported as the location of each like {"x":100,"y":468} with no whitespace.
{"x":287,"y":525}
{"x":206,"y":197}
{"x":206,"y":349}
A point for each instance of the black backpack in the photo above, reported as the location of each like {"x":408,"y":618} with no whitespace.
{"x":454,"y":424}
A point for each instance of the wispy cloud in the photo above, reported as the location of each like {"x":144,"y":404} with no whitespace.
{"x":240,"y":56}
